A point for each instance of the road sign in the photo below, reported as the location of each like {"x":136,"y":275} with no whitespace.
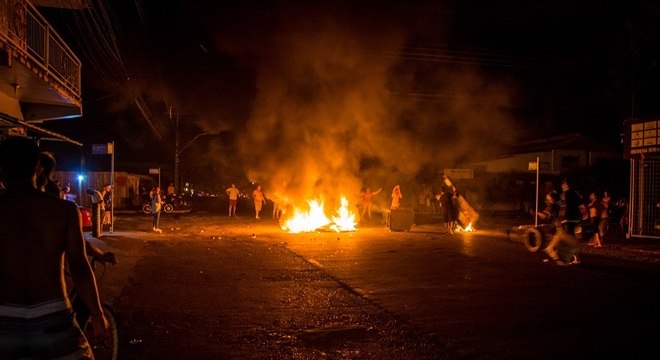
{"x":459,"y":173}
{"x":644,"y":138}
{"x":154,"y":171}
{"x":102,"y":149}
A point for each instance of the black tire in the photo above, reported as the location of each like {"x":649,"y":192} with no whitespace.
{"x":146,"y":208}
{"x":168,"y":208}
{"x":107,"y":347}
{"x":533,"y":239}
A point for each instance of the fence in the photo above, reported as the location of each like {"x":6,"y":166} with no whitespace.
{"x":644,"y":220}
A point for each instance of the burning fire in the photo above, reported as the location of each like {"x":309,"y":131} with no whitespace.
{"x":314,"y":218}
{"x":468,"y":228}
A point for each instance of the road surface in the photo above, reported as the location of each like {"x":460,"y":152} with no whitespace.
{"x":212,"y":287}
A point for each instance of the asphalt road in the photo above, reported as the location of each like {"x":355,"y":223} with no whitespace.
{"x":211,"y":287}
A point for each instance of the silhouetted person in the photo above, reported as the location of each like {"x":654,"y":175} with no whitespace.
{"x":564,"y":245}
{"x":45,"y":181}
{"x":448,"y":210}
{"x":39,"y":233}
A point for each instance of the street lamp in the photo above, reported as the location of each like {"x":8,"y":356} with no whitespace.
{"x":177,"y":159}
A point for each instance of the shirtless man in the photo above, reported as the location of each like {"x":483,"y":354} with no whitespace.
{"x":38,"y":230}
{"x":367,"y":201}
{"x":233,"y":193}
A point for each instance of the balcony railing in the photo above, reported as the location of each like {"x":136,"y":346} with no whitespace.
{"x":22,"y":26}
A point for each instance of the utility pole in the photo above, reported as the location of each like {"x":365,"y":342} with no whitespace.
{"x":178,"y":149}
{"x":177,"y":160}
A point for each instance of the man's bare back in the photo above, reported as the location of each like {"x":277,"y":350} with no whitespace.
{"x":37,"y":229}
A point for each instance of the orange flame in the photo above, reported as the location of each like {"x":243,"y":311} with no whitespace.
{"x":345,"y":219}
{"x":468,"y":228}
{"x":314,"y":218}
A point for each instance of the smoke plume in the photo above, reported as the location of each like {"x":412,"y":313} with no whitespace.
{"x":337,"y":107}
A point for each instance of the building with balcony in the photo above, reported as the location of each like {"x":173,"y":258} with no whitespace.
{"x":39,"y":74}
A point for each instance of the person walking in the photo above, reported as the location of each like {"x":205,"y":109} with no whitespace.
{"x":156,"y":203}
{"x":259,"y":200}
{"x":233,"y":193}
{"x":41,"y":233}
{"x":563,"y":244}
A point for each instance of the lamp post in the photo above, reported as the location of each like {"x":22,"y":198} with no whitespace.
{"x":177,"y":159}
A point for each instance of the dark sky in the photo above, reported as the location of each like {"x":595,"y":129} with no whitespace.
{"x":362,"y":90}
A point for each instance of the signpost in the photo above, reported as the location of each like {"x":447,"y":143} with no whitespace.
{"x":534,"y":165}
{"x":154,"y":171}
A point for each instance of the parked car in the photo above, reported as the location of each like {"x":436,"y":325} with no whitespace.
{"x":86,"y":218}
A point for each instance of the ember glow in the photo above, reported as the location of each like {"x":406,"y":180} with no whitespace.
{"x":314,"y":218}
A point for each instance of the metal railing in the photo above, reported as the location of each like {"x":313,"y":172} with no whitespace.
{"x":644,"y":208}
{"x":28,"y":32}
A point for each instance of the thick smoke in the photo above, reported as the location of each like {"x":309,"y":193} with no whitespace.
{"x":337,"y":108}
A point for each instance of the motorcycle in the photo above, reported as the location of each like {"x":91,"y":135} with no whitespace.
{"x":167,"y":207}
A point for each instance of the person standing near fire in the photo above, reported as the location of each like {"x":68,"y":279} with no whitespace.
{"x":233,"y":192}
{"x":367,"y":202}
{"x":396,"y":197}
{"x":259,"y":200}
{"x":448,"y":210}
{"x":156,"y":204}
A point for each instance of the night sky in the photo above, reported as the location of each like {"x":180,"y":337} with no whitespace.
{"x":368,"y":92}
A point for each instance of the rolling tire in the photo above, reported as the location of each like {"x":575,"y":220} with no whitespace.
{"x":107,"y":347}
{"x":168,"y":208}
{"x":533,"y":240}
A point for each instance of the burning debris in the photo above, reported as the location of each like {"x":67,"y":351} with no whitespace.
{"x":467,"y":216}
{"x":314,"y":218}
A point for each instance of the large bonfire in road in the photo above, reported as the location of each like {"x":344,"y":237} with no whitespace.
{"x":313,"y":217}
